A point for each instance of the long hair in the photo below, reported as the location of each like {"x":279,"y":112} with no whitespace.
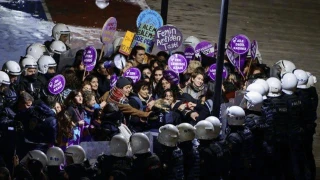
{"x":70,"y":100}
{"x":159,"y":89}
{"x":64,"y":126}
{"x":72,"y":81}
{"x":87,"y":96}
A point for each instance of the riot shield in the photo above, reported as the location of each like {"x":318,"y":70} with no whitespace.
{"x":223,"y":116}
{"x":67,"y":58}
{"x":95,"y":148}
{"x":239,"y":97}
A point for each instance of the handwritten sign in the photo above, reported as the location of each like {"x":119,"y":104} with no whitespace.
{"x":108,"y":30}
{"x":125,"y":47}
{"x":56,"y":84}
{"x":177,"y":63}
{"x":168,"y":38}
{"x":240,"y":44}
{"x":145,"y":37}
{"x":151,"y":17}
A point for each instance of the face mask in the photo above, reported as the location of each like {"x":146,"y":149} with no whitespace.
{"x":31,"y":78}
{"x":49,"y":75}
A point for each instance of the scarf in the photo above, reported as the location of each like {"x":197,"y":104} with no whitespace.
{"x":196,"y":88}
{"x":116,"y":95}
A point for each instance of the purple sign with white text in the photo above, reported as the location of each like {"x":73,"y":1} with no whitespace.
{"x":56,"y":84}
{"x":254,"y":48}
{"x":238,"y":61}
{"x":171,"y":76}
{"x":113,"y":80}
{"x":206,"y":48}
{"x":177,"y":63}
{"x":90,"y":67}
{"x":231,"y":56}
{"x":168,"y":38}
{"x":212,"y":72}
{"x":89,"y":56}
{"x":189,"y":53}
{"x":108,"y":30}
{"x":133,"y":73}
{"x":240,"y":44}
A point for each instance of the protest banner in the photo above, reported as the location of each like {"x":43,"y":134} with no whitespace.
{"x":125,"y":47}
{"x":56,"y":84}
{"x":145,"y":37}
{"x":168,"y":38}
{"x":108,"y":30}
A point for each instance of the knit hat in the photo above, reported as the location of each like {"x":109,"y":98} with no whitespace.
{"x":122,"y":82}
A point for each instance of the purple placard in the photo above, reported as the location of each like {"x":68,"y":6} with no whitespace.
{"x":212,"y":72}
{"x":243,"y":58}
{"x":206,"y":48}
{"x":89,"y":56}
{"x":189,"y":53}
{"x":171,"y":76}
{"x":232,"y":56}
{"x":240,"y":44}
{"x":90,"y":67}
{"x":133,"y":73}
{"x":56,"y":84}
{"x":108,"y":30}
{"x":113,"y":80}
{"x":177,"y":63}
{"x":168,"y":38}
{"x":254,"y":48}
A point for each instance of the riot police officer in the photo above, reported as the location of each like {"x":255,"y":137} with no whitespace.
{"x":145,"y":165}
{"x":47,"y":69}
{"x":13,"y":69}
{"x":28,"y":81}
{"x":309,"y":99}
{"x":215,"y":161}
{"x":4,"y":85}
{"x":118,"y":161}
{"x":240,"y":140}
{"x":60,"y":32}
{"x":295,"y":121}
{"x":32,"y":166}
{"x":171,"y":156}
{"x":257,"y":125}
{"x":77,"y":165}
{"x":56,"y":161}
{"x":191,"y":157}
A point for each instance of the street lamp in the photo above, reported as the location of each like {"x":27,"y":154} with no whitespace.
{"x":164,"y":10}
{"x":220,"y":58}
{"x":102,"y":3}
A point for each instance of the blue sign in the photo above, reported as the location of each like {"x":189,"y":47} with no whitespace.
{"x":151,"y":17}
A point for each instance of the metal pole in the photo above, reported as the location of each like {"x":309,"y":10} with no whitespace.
{"x":220,"y":58}
{"x":164,"y":11}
